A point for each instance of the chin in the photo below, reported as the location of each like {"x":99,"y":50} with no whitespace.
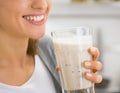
{"x":37,"y":36}
{"x":35,"y":32}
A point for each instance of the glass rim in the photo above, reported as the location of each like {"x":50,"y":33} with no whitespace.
{"x":67,"y":29}
{"x":86,"y":29}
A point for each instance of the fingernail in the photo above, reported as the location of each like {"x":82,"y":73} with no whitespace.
{"x":87,"y":64}
{"x":93,"y":49}
{"x":89,"y":74}
{"x":99,"y":79}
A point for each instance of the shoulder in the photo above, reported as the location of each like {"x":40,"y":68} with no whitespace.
{"x":45,"y":43}
{"x":45,"y":40}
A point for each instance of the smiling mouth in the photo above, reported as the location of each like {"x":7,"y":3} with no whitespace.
{"x":35,"y":19}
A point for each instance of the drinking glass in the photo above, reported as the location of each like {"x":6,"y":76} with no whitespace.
{"x":71,"y":50}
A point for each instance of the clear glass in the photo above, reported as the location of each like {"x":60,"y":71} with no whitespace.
{"x":71,"y":49}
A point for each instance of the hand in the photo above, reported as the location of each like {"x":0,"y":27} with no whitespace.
{"x":91,"y":64}
{"x":94,"y":65}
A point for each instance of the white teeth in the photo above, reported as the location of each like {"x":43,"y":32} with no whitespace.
{"x":31,"y":18}
{"x":27,"y":18}
{"x":35,"y":18}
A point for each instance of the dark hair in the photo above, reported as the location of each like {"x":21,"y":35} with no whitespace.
{"x":32,"y":47}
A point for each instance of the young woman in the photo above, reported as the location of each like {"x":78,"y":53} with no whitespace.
{"x":27,"y":61}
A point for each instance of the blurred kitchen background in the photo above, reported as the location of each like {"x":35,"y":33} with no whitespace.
{"x":104,"y":17}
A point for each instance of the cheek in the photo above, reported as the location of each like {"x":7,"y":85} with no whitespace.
{"x":49,"y":4}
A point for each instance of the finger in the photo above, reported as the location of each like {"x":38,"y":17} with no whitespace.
{"x":57,"y":69}
{"x":94,"y":52}
{"x":95,"y":65}
{"x":93,"y":77}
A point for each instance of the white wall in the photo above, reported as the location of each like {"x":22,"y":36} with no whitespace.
{"x":61,"y":1}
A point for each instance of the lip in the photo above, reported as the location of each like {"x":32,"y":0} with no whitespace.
{"x":38,"y":23}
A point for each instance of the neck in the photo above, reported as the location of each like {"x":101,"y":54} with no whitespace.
{"x":13,"y":50}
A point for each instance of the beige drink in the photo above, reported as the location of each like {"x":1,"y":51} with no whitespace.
{"x":70,"y":54}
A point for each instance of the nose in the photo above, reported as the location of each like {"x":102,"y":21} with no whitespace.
{"x":39,"y":4}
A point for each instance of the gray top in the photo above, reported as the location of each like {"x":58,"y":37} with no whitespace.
{"x":45,"y":47}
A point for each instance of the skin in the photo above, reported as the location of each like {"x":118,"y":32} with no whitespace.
{"x":12,"y":22}
{"x":15,"y":32}
{"x":16,"y":67}
{"x":94,"y":65}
